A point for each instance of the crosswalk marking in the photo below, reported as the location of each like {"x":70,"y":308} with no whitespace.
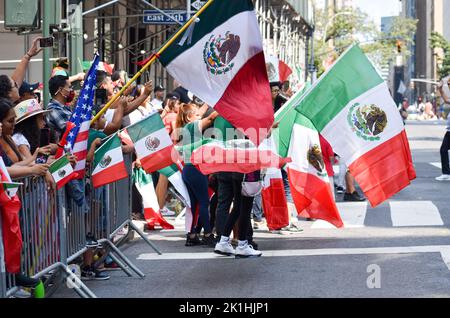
{"x":436,"y":164}
{"x":353,"y":215}
{"x":415,"y":213}
{"x":444,"y":250}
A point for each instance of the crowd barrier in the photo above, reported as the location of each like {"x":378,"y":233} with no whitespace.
{"x":54,"y":228}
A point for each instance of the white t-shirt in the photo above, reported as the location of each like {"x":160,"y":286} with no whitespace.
{"x":20,"y":140}
{"x":157,"y":104}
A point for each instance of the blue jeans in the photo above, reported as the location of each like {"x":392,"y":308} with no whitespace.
{"x":257,"y":208}
{"x":287,"y":188}
{"x":197,"y":185}
{"x":75,"y":190}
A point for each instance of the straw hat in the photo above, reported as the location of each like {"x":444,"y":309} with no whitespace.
{"x":27,"y":109}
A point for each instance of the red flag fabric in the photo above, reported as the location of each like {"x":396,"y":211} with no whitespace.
{"x":274,"y":200}
{"x":63,"y":142}
{"x":12,"y":235}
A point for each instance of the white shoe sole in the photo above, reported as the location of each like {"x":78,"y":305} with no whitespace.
{"x":223,"y":253}
{"x":247,"y":256}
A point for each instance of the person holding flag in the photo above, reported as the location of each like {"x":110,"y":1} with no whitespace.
{"x":190,"y":129}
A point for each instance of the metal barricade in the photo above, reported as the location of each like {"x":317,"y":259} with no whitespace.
{"x":54,"y":229}
{"x":43,"y":234}
{"x":2,"y":264}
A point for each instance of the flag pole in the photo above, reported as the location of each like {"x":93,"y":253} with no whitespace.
{"x":151,"y":61}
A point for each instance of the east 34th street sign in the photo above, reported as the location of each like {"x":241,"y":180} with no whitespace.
{"x":156,"y":17}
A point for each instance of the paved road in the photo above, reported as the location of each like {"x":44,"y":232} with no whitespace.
{"x":402,"y":247}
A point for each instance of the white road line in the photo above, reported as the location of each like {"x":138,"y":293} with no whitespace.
{"x":415,"y":213}
{"x":436,"y":164}
{"x":353,"y":215}
{"x":444,"y":250}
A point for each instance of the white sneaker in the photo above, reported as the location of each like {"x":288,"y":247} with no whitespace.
{"x":166,"y":212}
{"x":444,"y":177}
{"x":247,"y":251}
{"x":224,"y":248}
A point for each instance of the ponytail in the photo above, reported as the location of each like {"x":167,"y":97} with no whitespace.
{"x":182,"y":119}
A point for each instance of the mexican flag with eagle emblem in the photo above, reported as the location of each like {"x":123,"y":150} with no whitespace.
{"x":352,"y":109}
{"x":152,"y":143}
{"x":109,"y":165}
{"x":220,"y":59}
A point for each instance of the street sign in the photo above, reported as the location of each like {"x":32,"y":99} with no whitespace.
{"x":156,"y":17}
{"x":23,"y":14}
{"x":198,"y":4}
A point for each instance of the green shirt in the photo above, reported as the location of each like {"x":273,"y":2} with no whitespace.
{"x":94,"y":134}
{"x":191,"y":134}
{"x":226,"y":131}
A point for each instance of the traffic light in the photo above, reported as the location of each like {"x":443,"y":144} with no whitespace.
{"x":399,"y":46}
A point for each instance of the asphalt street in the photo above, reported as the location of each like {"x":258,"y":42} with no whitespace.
{"x":399,"y":249}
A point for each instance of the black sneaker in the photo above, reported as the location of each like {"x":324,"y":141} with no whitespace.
{"x":340,"y":189}
{"x":91,"y":242}
{"x":92,"y":274}
{"x":25,"y":281}
{"x":353,"y":197}
{"x":209,"y":241}
{"x":193,"y":241}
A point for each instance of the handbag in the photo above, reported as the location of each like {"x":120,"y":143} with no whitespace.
{"x":252,"y":184}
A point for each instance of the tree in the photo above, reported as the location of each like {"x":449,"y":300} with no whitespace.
{"x":437,"y":41}
{"x":354,"y":26}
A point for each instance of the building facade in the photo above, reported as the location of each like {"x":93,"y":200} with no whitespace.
{"x":116,"y":29}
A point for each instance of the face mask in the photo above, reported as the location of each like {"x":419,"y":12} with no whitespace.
{"x":69,"y":98}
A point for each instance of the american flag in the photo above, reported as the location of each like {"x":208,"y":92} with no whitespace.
{"x":78,"y":137}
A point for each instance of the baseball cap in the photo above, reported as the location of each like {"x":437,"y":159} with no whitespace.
{"x":173,"y":95}
{"x":159,"y":88}
{"x":27,"y":88}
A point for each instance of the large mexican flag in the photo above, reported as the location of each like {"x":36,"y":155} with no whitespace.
{"x":221,"y":60}
{"x":352,"y":108}
{"x":109,"y":166}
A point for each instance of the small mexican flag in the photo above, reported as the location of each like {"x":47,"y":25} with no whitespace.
{"x":62,"y":172}
{"x":7,"y":186}
{"x":238,"y":155}
{"x":109,"y":166}
{"x":10,"y":188}
{"x":152,"y":214}
{"x":174,"y":175}
{"x":277,"y":70}
{"x":152,"y":143}
{"x":220,"y":59}
{"x":353,"y":110}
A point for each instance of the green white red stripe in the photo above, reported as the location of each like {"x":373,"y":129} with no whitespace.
{"x":307,"y":174}
{"x":274,"y":200}
{"x":239,"y":155}
{"x":277,"y":70}
{"x":353,"y":110}
{"x":173,"y":173}
{"x":109,"y":165}
{"x":152,"y":143}
{"x":144,"y":185}
{"x":62,"y":172}
{"x":229,"y":74}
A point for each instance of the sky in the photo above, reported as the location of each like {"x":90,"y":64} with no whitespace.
{"x":378,"y":8}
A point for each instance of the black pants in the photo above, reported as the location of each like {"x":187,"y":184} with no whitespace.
{"x":444,"y":153}
{"x":241,"y":211}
